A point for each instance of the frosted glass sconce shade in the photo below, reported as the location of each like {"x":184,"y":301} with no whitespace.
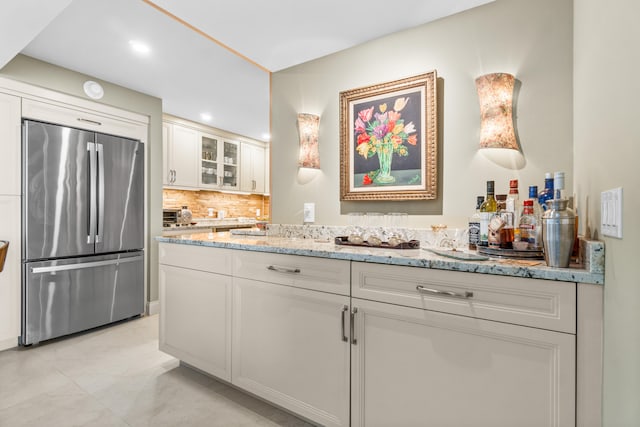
{"x":309,"y":156}
{"x":495,"y":92}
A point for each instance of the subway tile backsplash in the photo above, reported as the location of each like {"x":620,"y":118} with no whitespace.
{"x":234,"y":205}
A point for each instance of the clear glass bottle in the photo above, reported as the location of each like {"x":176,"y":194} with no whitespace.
{"x":513,"y":201}
{"x":558,"y":185}
{"x":487,"y":209}
{"x":533,"y":195}
{"x":474,"y":225}
{"x":530,"y":226}
{"x":547,"y":193}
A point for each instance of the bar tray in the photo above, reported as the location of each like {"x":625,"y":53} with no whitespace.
{"x":511,"y":253}
{"x":344,"y":241}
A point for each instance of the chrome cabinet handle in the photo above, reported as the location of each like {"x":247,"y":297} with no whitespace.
{"x":354,"y":310}
{"x":283,"y":269}
{"x":93,"y":122}
{"x":345,"y":308}
{"x":462,"y":295}
{"x":175,"y":176}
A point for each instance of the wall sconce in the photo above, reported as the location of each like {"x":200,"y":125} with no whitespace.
{"x":309,"y":156}
{"x":495,"y":92}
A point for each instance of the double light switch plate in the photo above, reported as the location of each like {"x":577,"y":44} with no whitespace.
{"x":611,"y":212}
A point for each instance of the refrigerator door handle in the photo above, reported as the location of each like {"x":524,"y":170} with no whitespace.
{"x":91,"y":148}
{"x":85,"y":265}
{"x":100,"y":232}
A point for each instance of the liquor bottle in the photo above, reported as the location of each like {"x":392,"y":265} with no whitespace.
{"x":530,"y":226}
{"x":547,"y":193}
{"x":474,"y":225}
{"x":533,"y":195}
{"x":558,"y":185}
{"x":513,"y":201}
{"x":487,"y":209}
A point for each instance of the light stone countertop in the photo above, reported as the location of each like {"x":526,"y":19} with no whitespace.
{"x":326,"y":248}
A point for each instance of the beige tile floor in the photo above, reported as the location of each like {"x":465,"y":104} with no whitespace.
{"x":116,"y":376}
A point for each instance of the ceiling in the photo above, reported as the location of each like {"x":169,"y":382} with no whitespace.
{"x":211,"y":57}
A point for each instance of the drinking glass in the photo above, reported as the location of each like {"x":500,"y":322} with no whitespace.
{"x":355,"y":229}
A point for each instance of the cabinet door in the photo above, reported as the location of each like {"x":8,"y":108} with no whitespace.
{"x":10,"y":276}
{"x":10,"y":141}
{"x":288,"y":348}
{"x":183,"y":156}
{"x":229,"y":164}
{"x":195,"y":318}
{"x":252,"y":169}
{"x":167,"y":173}
{"x":414,"y":367}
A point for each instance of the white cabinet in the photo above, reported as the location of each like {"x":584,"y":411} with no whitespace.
{"x":10,"y":276}
{"x":425,"y":355}
{"x":11,"y":142}
{"x":218,"y":162}
{"x":195,"y":309}
{"x":10,"y":176}
{"x":290,"y":346}
{"x":252,"y":171}
{"x":415,"y":367}
{"x":182,"y":145}
{"x":194,"y":318}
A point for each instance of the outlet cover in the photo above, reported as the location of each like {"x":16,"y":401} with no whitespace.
{"x":611,"y":212}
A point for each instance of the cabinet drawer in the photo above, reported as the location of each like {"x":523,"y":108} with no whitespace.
{"x":213,"y":260}
{"x":321,"y":274}
{"x":543,"y":304}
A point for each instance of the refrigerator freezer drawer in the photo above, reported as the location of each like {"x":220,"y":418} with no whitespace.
{"x":66,"y":296}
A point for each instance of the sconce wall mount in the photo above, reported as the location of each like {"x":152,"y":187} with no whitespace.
{"x":309,"y":155}
{"x":495,"y":92}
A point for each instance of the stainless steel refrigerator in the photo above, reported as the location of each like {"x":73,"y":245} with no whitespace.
{"x":82,"y":230}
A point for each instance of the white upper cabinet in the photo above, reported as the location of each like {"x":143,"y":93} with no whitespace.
{"x":252,"y":170}
{"x":181,"y":147}
{"x":218,"y":162}
{"x":10,"y":142}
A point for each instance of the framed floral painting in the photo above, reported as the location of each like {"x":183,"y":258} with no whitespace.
{"x":388,"y":140}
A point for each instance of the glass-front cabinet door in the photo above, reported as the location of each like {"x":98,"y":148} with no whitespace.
{"x":230,"y":164}
{"x":218,"y":163}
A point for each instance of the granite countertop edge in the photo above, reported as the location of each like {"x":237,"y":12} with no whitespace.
{"x":409,"y":257}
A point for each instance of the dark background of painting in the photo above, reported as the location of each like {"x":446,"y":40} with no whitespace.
{"x":410,"y":113}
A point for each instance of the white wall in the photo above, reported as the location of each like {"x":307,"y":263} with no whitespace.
{"x":530,"y":39}
{"x":606,"y":153}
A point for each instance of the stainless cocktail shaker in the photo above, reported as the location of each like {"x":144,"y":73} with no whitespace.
{"x":558,"y":233}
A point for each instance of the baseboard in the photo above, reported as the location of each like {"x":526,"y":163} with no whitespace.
{"x":153,"y":307}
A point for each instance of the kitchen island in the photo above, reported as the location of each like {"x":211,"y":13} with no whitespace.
{"x":367,"y":336}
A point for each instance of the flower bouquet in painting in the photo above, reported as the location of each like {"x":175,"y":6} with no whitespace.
{"x":383,"y":133}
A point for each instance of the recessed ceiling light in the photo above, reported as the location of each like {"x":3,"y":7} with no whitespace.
{"x":139,"y":47}
{"x":206,"y":117}
{"x":266,"y":136}
{"x":93,"y":89}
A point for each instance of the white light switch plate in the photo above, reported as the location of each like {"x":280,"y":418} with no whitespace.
{"x":611,"y":212}
{"x":309,"y":212}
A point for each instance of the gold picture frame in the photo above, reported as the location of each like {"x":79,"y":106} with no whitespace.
{"x":389,"y":140}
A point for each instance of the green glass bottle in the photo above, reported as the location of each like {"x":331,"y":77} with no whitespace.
{"x":487,"y":209}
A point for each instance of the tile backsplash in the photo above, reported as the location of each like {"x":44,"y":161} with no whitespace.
{"x":234,"y":205}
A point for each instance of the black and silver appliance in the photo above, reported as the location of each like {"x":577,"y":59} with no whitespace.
{"x":82,"y":230}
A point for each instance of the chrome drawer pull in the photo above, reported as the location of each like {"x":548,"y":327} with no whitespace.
{"x":283,"y":269}
{"x":463,"y":295}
